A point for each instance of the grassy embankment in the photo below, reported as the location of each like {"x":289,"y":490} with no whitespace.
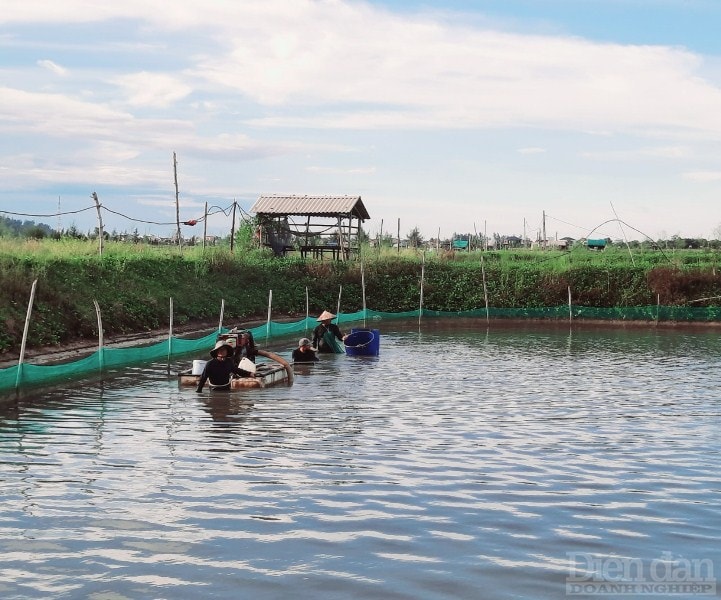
{"x":133,"y":284}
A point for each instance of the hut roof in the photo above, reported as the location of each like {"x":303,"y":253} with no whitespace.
{"x":322,"y":206}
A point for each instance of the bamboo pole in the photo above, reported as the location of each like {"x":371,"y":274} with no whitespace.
{"x":423,"y":275}
{"x":485,"y":289}
{"x":267,"y":326}
{"x":570,"y":306}
{"x":337,"y":310}
{"x":363,"y":288}
{"x":101,"y":350}
{"x":25,"y":334}
{"x":307,"y":309}
{"x":170,"y":332}
{"x":222,"y":310}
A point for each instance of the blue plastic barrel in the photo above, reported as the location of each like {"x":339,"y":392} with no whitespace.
{"x":363,"y":342}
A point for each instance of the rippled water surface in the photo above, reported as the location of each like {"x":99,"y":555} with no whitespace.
{"x":458,"y":464}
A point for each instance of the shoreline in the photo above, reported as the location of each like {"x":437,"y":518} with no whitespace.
{"x":77,"y":350}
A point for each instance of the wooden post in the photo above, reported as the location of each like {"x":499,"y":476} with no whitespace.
{"x":100,"y":223}
{"x":177,"y":201}
{"x":423,"y":275}
{"x":25,"y":334}
{"x":337,"y":309}
{"x":363,"y":287}
{"x":485,"y":289}
{"x":307,"y":309}
{"x":170,"y":333}
{"x":205,"y":225}
{"x":380,"y":238}
{"x":341,"y":253}
{"x":101,"y":358}
{"x":570,"y":306}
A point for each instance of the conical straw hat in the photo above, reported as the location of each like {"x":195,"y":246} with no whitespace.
{"x":218,"y":345}
{"x":325,"y":315}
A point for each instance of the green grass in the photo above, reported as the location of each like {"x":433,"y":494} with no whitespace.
{"x":133,"y":283}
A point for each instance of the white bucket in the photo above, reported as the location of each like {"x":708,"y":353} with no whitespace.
{"x":247,"y":365}
{"x":198,"y":366}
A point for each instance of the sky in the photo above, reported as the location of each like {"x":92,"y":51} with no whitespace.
{"x":597,"y":117}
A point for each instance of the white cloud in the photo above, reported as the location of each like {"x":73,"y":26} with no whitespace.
{"x":531,"y":150}
{"x":52,"y":67}
{"x":422,"y":95}
{"x":703,"y":176}
{"x":343,"y":171}
{"x":152,"y":89}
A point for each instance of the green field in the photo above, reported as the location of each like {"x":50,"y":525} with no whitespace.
{"x":133,"y":284}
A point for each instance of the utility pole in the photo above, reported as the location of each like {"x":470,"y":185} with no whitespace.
{"x":205,"y":225}
{"x":177,"y":202}
{"x":545,"y":245}
{"x":100,"y":223}
{"x":232,"y":229}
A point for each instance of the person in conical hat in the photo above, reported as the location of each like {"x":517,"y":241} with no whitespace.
{"x":327,"y":335}
{"x":221,"y":344}
{"x":219,"y":370}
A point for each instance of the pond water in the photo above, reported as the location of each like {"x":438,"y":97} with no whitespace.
{"x":462,"y":462}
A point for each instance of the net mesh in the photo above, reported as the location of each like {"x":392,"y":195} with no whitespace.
{"x":27,"y":374}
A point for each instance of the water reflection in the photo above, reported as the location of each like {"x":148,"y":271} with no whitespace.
{"x":459,"y":463}
{"x":227,"y":408}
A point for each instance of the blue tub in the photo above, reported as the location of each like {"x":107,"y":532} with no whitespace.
{"x":363,"y":342}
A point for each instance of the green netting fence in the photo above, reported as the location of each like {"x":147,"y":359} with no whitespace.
{"x":33,"y":374}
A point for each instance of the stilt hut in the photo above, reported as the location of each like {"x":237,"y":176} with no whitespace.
{"x":316,"y":226}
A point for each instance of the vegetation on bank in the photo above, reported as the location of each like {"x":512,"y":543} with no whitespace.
{"x":133,"y":283}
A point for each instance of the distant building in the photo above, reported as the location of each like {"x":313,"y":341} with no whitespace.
{"x":597,"y":244}
{"x":313,"y":225}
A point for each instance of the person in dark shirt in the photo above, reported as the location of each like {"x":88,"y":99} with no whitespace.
{"x":304,"y":353}
{"x":327,"y":335}
{"x":246,"y":347}
{"x":220,"y":368}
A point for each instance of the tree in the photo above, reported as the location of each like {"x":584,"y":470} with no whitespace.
{"x":35,"y":232}
{"x":245,"y":235}
{"x":415,"y":239}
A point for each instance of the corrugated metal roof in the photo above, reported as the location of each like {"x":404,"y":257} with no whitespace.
{"x":325,"y":206}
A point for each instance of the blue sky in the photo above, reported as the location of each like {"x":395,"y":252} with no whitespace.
{"x":450,"y":116}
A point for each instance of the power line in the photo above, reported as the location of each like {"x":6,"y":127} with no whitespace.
{"x":57,"y":214}
{"x":225,"y":211}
